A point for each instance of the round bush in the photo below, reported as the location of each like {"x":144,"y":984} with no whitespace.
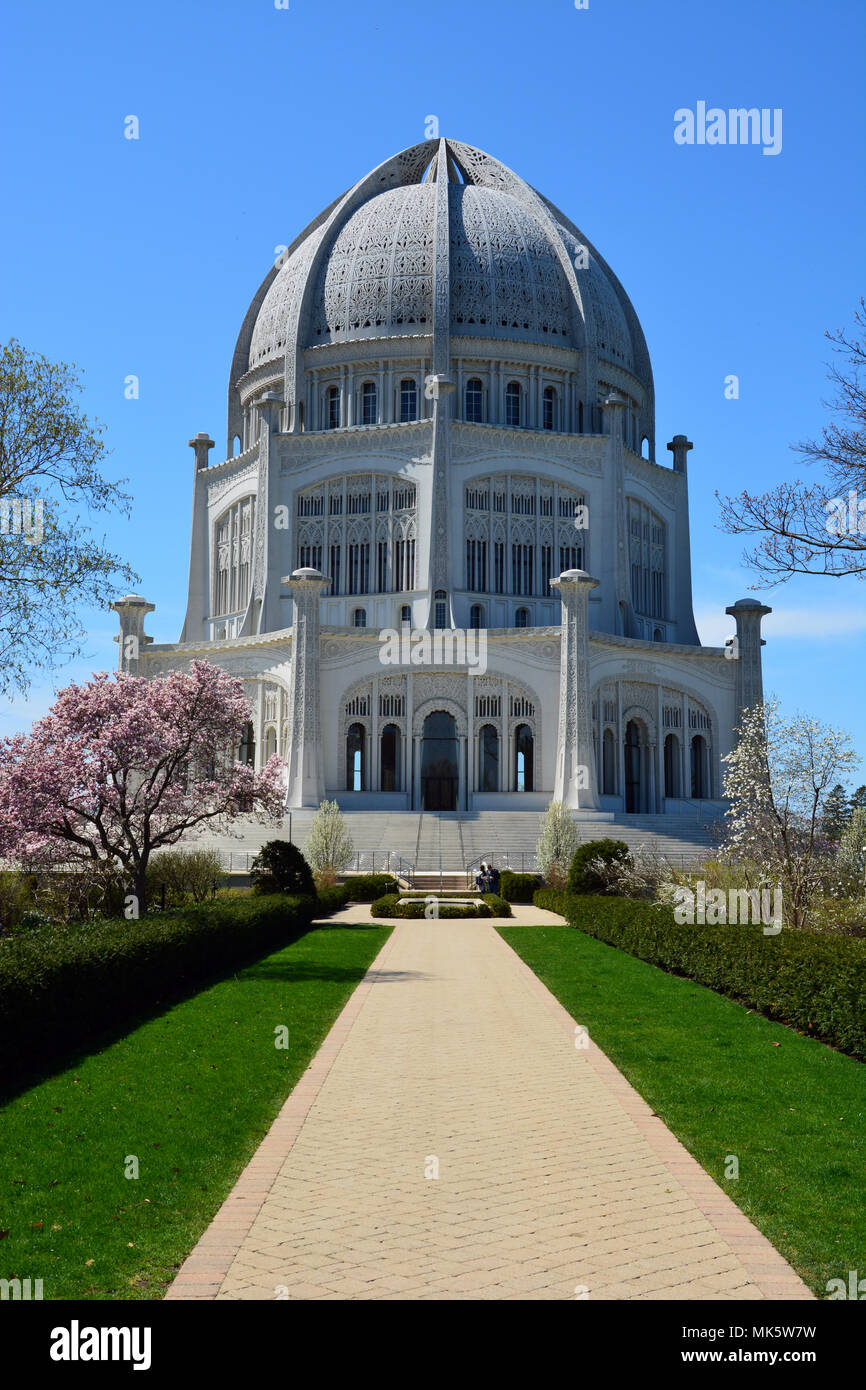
{"x":279,"y":867}
{"x":584,"y":879}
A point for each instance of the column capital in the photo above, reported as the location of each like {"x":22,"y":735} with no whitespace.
{"x":202,"y":444}
{"x":679,"y":447}
{"x":306,"y":582}
{"x":572,"y":582}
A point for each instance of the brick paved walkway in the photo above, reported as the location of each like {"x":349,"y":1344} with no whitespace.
{"x":553,"y":1175}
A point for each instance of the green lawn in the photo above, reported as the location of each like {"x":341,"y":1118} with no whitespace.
{"x":728,"y":1081}
{"x":190,"y":1094}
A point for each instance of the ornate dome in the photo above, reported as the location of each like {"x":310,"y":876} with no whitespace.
{"x":517,"y":269}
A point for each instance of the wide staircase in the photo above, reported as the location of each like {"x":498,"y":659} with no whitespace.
{"x":438,"y":850}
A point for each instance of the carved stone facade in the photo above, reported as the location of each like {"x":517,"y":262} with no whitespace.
{"x":442,"y":416}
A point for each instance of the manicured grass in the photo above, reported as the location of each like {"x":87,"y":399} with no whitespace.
{"x":190,"y":1093}
{"x":727,"y":1081}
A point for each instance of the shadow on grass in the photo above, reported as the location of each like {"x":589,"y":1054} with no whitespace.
{"x":251,"y":967}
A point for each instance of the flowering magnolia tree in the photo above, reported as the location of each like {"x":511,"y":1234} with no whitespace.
{"x":777,"y":778}
{"x":122,"y":766}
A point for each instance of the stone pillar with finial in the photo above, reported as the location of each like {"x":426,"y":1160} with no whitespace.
{"x":132,"y":611}
{"x":575,"y":780}
{"x":305,"y":778}
{"x":745,"y":651}
{"x":681,"y":600}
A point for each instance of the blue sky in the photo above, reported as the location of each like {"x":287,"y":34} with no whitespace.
{"x":140,"y":257}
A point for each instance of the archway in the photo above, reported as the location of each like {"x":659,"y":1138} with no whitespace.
{"x":488,"y":759}
{"x":390,"y":758}
{"x":524,"y":759}
{"x":439,"y":765}
{"x":356,"y":762}
{"x":672,"y":766}
{"x":633,"y":787}
{"x":699,"y":767}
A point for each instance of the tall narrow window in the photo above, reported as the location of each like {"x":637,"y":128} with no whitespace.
{"x":359,"y":617}
{"x":233,"y":542}
{"x":474,"y":398}
{"x":488,"y":759}
{"x":476,"y":617}
{"x":333,"y":407}
{"x":512,"y":404}
{"x":408,"y":400}
{"x":524,"y":757}
{"x":521,"y":617}
{"x":368,"y":403}
{"x":356,"y":772}
{"x":580,"y":417}
{"x":550,"y":421}
{"x":440,"y":609}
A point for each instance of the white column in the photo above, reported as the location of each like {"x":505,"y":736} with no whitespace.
{"x":576,"y":783}
{"x":305,"y":777}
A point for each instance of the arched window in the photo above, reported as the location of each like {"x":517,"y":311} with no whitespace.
{"x":389,"y":761}
{"x":247,"y":749}
{"x":270,"y":744}
{"x":512,"y":404}
{"x":647,"y":560}
{"x":521,"y":617}
{"x":408,"y":400}
{"x":359,"y":617}
{"x":550,"y":408}
{"x":440,"y":609}
{"x":333,"y":400}
{"x":644,"y":447}
{"x":476,"y":617}
{"x":405,"y":614}
{"x":368,"y":403}
{"x":356,"y":771}
{"x":524,"y":757}
{"x":233,"y":537}
{"x":608,"y":760}
{"x":580,"y":417}
{"x":658,"y":635}
{"x":488,"y":759}
{"x":474,"y":401}
{"x":699,"y":768}
{"x":672,"y":765}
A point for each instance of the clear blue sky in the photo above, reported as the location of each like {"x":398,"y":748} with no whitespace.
{"x":140,"y":257}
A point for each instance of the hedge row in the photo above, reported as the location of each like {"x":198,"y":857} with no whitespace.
{"x":816,"y":984}
{"x":366,"y":888}
{"x":518,"y":888}
{"x":61,"y":986}
{"x":414,"y":908}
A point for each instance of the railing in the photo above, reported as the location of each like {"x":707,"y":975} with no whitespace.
{"x":369,"y":861}
{"x":528,"y":862}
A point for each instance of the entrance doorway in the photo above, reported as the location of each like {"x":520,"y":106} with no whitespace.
{"x":439,"y":769}
{"x":632,"y":767}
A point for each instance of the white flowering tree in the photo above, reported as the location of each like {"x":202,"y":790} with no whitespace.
{"x":329,"y":846}
{"x":556,"y":844}
{"x":777,"y":778}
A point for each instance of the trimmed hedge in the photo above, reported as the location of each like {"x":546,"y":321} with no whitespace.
{"x":551,"y":899}
{"x":816,"y":984}
{"x":518,"y":888}
{"x":391,"y":906}
{"x":331,"y":899}
{"x":366,"y":888}
{"x":62,"y":986}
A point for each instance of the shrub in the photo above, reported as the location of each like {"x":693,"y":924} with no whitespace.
{"x":64,"y":985}
{"x":551,"y":899}
{"x":279,"y":867}
{"x":183,"y":873}
{"x":583,"y":876}
{"x":331,"y":899}
{"x":365,"y":888}
{"x":518,"y":888}
{"x":415,"y":908}
{"x":814,"y":983}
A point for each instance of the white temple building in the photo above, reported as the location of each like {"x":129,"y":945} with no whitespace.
{"x":441,"y":421}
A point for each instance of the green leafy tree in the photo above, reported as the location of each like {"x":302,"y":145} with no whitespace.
{"x":50,"y":460}
{"x":857,"y":800}
{"x":329,"y":847}
{"x":836,"y":812}
{"x":587,"y":872}
{"x":279,"y":867}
